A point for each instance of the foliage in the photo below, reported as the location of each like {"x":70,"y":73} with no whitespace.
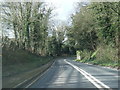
{"x":106,"y":15}
{"x":52,"y":46}
{"x":29,"y":21}
{"x":94,"y":30}
{"x":94,"y":53}
{"x":81,"y":33}
{"x":93,"y":24}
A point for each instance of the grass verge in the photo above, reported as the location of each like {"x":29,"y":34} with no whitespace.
{"x":20,"y":65}
{"x":105,"y":56}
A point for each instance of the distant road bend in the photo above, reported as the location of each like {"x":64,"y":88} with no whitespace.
{"x":66,"y":73}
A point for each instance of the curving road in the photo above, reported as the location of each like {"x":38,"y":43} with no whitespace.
{"x":66,"y":73}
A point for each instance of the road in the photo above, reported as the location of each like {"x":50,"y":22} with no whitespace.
{"x":66,"y":73}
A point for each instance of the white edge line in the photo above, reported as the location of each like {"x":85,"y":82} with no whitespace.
{"x":38,"y":77}
{"x":98,"y":86}
{"x":89,"y":77}
{"x":28,"y":79}
{"x":20,"y":83}
{"x":24,"y":81}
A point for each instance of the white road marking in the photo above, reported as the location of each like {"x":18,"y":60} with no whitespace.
{"x":29,"y":79}
{"x":32,"y":82}
{"x":24,"y":81}
{"x":92,"y":79}
{"x":20,"y":84}
{"x":38,"y":77}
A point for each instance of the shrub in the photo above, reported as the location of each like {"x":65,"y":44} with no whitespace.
{"x":107,"y":55}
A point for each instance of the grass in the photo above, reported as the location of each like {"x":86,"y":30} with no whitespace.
{"x":105,"y":56}
{"x":18,"y":62}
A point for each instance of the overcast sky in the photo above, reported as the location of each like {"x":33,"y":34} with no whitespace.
{"x":63,"y":8}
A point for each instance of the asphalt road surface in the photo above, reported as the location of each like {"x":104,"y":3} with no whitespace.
{"x":66,"y":73}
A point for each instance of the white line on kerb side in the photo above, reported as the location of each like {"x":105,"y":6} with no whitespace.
{"x":29,"y":79}
{"x":39,"y":77}
{"x":20,"y":84}
{"x":92,"y":79}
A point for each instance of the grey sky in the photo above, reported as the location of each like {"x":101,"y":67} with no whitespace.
{"x":63,"y":8}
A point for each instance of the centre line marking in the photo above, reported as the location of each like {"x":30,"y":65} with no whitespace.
{"x":92,"y":79}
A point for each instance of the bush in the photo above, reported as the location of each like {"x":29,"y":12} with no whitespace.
{"x":86,"y":56}
{"x":107,"y":56}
